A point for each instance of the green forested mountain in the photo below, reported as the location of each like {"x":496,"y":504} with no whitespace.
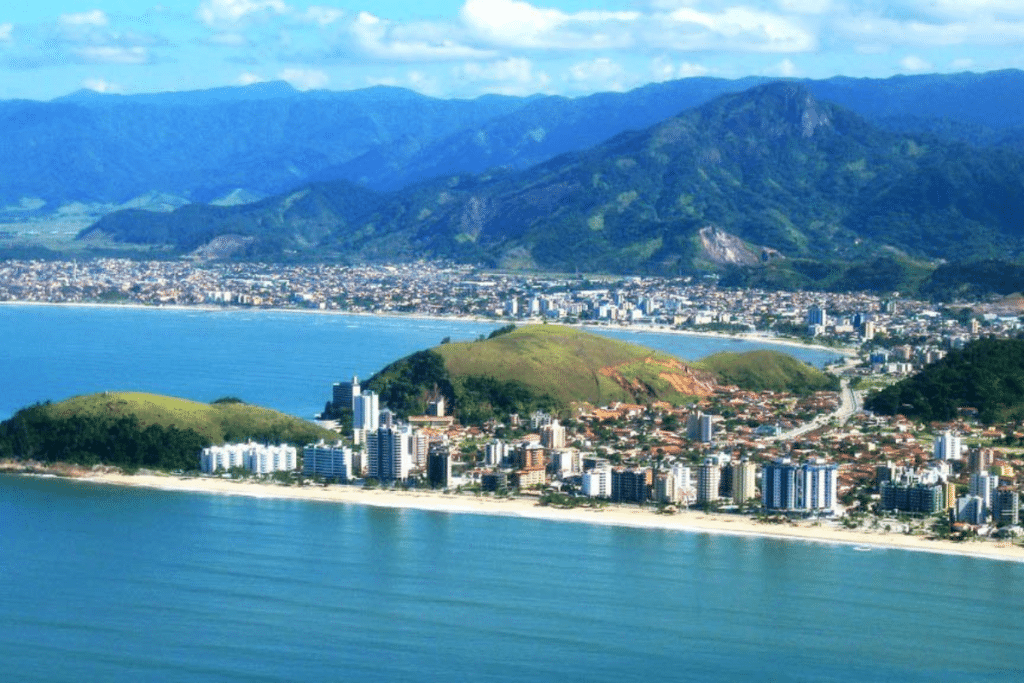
{"x":987,"y":374}
{"x":784,"y":176}
{"x":551,"y":367}
{"x":133,"y":430}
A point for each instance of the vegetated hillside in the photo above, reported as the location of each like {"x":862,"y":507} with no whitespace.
{"x":551,"y":367}
{"x":987,"y":374}
{"x":135,"y":430}
{"x":774,"y":169}
{"x":547,"y":367}
{"x":768,"y":371}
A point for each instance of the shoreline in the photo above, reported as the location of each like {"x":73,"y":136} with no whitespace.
{"x":757,"y":337}
{"x":613,"y":515}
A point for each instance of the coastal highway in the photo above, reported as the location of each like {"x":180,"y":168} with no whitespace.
{"x":850,"y":402}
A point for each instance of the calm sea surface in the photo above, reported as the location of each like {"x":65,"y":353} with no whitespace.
{"x":281,"y":360}
{"x":110,"y":584}
{"x":101,"y":583}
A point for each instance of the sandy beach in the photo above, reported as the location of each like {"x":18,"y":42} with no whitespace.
{"x":646,"y":518}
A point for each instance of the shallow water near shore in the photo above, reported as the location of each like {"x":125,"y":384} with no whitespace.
{"x":116,"y":583}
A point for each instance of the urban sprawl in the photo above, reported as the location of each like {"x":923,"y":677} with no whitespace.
{"x":771,"y":454}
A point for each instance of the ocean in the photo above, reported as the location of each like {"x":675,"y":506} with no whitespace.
{"x":278,"y":359}
{"x":104,"y":583}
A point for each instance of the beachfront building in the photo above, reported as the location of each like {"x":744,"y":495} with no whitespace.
{"x":365,"y":415}
{"x":809,"y":487}
{"x":388,"y":453}
{"x":912,"y":496}
{"x":709,"y":481}
{"x":631,"y":485}
{"x":439,"y":465}
{"x":255,"y":457}
{"x":744,"y":481}
{"x":328,"y":461}
{"x":597,"y":482}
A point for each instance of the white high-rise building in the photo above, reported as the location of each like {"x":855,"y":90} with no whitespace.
{"x":366,"y":411}
{"x":984,"y":485}
{"x":947,"y":446}
{"x":388,"y":457}
{"x":597,"y":483}
{"x":255,"y":457}
{"x":330,"y":461}
{"x":495,"y":453}
{"x":552,"y":435}
{"x":810,"y":487}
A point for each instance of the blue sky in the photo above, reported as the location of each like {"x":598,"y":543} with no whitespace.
{"x":466,"y":48}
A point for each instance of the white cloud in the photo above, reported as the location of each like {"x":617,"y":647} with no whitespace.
{"x":736,"y":28}
{"x":6,"y":32}
{"x":112,"y":54}
{"x":514,"y":23}
{"x":664,"y":69}
{"x":961,"y":64}
{"x":599,"y":74}
{"x":92,"y":18}
{"x":221,"y":12}
{"x":385,"y":40}
{"x":324,"y":16}
{"x":305,"y":79}
{"x":249,"y":78}
{"x":914,"y":63}
{"x":101,"y":85}
{"x":512,"y":76}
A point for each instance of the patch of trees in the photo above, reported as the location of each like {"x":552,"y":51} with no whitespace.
{"x":987,"y":374}
{"x":35,"y":434}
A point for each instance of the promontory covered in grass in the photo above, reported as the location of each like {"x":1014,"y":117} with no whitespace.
{"x":552,"y":367}
{"x":133,"y":430}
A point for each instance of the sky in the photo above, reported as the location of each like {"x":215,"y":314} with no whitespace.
{"x":466,"y":48}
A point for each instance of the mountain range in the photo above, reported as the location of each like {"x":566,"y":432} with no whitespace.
{"x":792,"y":183}
{"x":767,"y":176}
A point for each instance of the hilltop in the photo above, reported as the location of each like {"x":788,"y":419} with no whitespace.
{"x":142,"y":430}
{"x":553,"y":367}
{"x":987,"y":375}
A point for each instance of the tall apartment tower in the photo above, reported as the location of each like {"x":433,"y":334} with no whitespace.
{"x":366,"y":411}
{"x":709,"y":479}
{"x":947,"y":446}
{"x":817,"y":316}
{"x":387,"y":454}
{"x":553,"y":435}
{"x":743,"y":481}
{"x":439,"y":465}
{"x":343,"y":395}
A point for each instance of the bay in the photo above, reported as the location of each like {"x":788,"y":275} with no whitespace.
{"x":104,"y":583}
{"x":277,"y":359}
{"x":107,"y":583}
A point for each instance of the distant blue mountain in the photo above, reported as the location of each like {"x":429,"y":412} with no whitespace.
{"x":268,"y":138}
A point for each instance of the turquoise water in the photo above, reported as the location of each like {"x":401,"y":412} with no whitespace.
{"x":103,"y":583}
{"x":281,"y":360}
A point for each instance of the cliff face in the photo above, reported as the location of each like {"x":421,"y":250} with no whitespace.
{"x":726,"y":249}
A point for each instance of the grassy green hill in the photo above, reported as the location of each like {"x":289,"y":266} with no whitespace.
{"x":220,"y":422}
{"x":551,"y":367}
{"x":768,"y":370}
{"x":142,"y":430}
